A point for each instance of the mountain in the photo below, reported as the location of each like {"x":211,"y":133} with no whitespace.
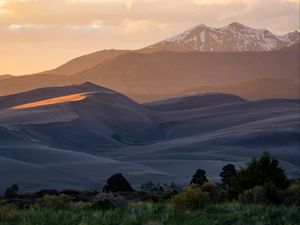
{"x":75,"y":137}
{"x":162,"y":73}
{"x":235,"y":37}
{"x":232,"y":38}
{"x":85,"y":62}
{"x":6,"y":76}
{"x":153,"y":72}
{"x":167,"y":73}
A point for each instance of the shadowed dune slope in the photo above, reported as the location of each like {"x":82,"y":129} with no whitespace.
{"x":193,"y":101}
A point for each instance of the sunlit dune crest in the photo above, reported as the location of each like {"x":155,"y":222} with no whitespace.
{"x":51,"y":101}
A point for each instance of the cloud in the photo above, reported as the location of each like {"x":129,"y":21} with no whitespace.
{"x":24,"y":26}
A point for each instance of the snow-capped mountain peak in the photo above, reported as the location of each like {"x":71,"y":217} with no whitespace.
{"x":231,"y":38}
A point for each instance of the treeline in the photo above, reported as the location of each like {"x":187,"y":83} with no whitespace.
{"x":261,"y":181}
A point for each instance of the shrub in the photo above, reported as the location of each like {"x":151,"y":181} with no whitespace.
{"x":292,"y":194}
{"x":158,"y":188}
{"x":115,"y":200}
{"x":173,"y":186}
{"x":267,"y":194}
{"x":7,"y":213}
{"x":43,"y":193}
{"x":252,"y":196}
{"x":257,"y":173}
{"x":169,"y":194}
{"x":192,"y":198}
{"x":199,"y":177}
{"x":53,"y":201}
{"x":102,"y":205}
{"x":147,"y":186}
{"x":117,"y":183}
{"x":11,"y":192}
{"x":216,"y":194}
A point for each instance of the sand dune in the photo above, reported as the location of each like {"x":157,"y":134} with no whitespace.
{"x":52,"y":101}
{"x":78,"y":144}
{"x":191,"y":101}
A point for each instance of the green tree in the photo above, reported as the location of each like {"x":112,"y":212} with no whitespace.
{"x":147,"y":186}
{"x":199,"y":177}
{"x":11,"y":192}
{"x":258,"y":172}
{"x":227,"y":173}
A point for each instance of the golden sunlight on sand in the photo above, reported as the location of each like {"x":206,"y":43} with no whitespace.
{"x":51,"y":101}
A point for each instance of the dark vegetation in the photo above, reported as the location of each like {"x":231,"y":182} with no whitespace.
{"x":259,"y":193}
{"x":117,"y":183}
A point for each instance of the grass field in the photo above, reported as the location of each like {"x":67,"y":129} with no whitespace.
{"x":154,"y":214}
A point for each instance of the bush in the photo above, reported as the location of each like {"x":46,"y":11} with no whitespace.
{"x":216,"y":194}
{"x":252,"y":196}
{"x":257,"y":173}
{"x":267,"y":194}
{"x":292,"y":194}
{"x":192,"y":198}
{"x":11,"y":192}
{"x":102,"y":205}
{"x":147,"y":186}
{"x":150,"y":186}
{"x":43,"y":193}
{"x":7,"y":213}
{"x":115,"y":200}
{"x":53,"y":201}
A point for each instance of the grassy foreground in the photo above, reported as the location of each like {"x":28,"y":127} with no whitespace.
{"x":144,"y":213}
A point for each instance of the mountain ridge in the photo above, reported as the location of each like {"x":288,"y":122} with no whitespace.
{"x":87,"y":61}
{"x":166,"y":72}
{"x":230,"y":38}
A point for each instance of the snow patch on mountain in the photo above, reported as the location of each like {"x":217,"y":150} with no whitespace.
{"x":234,"y":37}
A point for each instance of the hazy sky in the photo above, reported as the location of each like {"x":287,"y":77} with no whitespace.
{"x":36,"y":35}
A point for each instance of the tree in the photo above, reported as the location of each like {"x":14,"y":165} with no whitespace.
{"x":147,"y":186}
{"x":227,"y":173}
{"x":173,"y":185}
{"x":11,"y":192}
{"x":199,"y":177}
{"x":117,"y":183}
{"x":258,"y":172}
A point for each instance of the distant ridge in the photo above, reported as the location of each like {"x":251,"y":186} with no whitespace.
{"x":165,"y":73}
{"x":85,"y":62}
{"x":6,"y":76}
{"x":235,"y":37}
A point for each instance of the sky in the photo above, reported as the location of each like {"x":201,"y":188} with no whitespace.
{"x":37,"y":35}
